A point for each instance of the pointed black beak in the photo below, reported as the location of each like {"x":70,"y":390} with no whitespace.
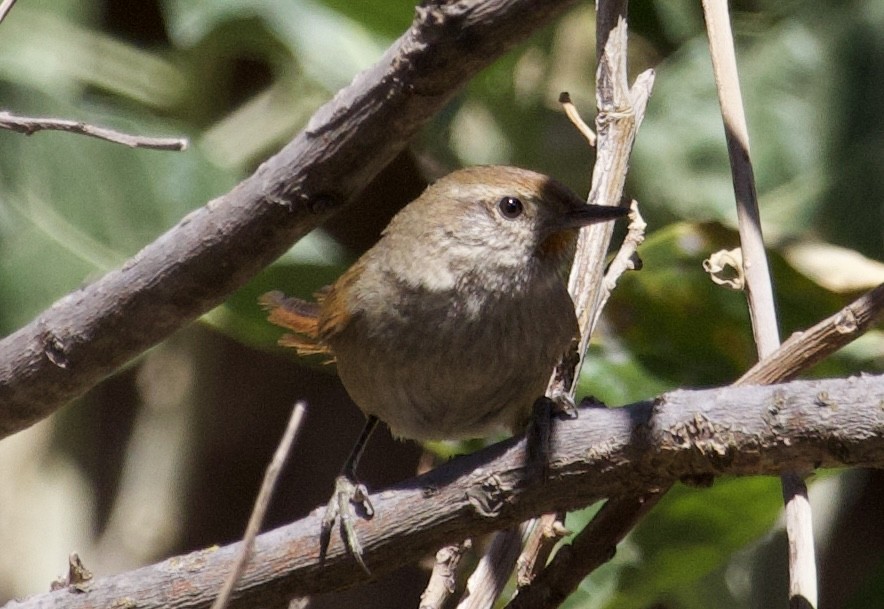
{"x":587,"y":214}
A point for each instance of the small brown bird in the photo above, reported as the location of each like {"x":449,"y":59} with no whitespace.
{"x":451,"y":325}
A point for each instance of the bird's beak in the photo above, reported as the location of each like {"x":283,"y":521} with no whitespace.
{"x":585,"y":215}
{"x":562,"y":235}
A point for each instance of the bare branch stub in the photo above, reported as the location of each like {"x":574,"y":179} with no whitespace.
{"x":621,"y":110}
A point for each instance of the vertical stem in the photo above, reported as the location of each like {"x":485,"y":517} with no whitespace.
{"x":759,"y":291}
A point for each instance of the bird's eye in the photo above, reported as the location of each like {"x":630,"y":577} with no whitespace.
{"x":510,"y":207}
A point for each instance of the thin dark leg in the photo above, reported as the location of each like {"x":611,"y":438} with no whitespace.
{"x":348,"y":491}
{"x":352,"y":462}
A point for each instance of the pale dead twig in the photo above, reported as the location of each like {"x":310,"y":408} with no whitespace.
{"x":625,"y":259}
{"x":261,"y":504}
{"x":549,"y":530}
{"x":759,"y":289}
{"x":621,"y":110}
{"x":5,"y":7}
{"x":489,"y":578}
{"x":575,"y":118}
{"x":30,"y":125}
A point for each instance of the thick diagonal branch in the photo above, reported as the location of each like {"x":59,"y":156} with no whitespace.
{"x":216,"y":249}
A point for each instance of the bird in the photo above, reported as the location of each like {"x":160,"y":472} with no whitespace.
{"x":450,"y":326}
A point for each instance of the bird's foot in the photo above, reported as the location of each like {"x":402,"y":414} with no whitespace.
{"x":539,"y":435}
{"x":347,"y":492}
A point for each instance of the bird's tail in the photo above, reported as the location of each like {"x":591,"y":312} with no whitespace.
{"x":299,"y":316}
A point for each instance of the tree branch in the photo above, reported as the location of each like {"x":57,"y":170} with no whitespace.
{"x":808,"y":347}
{"x":216,"y":249}
{"x":605,"y":452}
{"x":31,"y":125}
{"x":596,"y":543}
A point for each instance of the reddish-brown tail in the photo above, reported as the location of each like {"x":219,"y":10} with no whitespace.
{"x":299,"y":316}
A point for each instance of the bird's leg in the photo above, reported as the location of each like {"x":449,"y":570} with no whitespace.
{"x":559,"y":404}
{"x":539,"y":434}
{"x":348,"y":490}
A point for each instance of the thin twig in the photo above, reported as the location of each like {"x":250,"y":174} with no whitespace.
{"x":490,"y":576}
{"x":625,"y":259}
{"x":759,"y":289}
{"x":804,"y":349}
{"x":261,"y":504}
{"x":5,"y":7}
{"x":621,"y":110}
{"x":30,"y":126}
{"x":574,"y":116}
{"x":549,"y":530}
{"x":592,"y":547}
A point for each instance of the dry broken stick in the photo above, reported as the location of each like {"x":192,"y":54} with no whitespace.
{"x":617,"y":125}
{"x":262,"y":502}
{"x":621,"y":111}
{"x":575,"y":118}
{"x":31,"y":125}
{"x":443,"y":578}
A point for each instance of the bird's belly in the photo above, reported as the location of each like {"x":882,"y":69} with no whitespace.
{"x":449,"y":380}
{"x":433,"y":397}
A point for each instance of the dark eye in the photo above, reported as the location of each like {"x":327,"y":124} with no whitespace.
{"x":510,"y":207}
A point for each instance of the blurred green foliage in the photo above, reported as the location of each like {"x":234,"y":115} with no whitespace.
{"x":241,"y":77}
